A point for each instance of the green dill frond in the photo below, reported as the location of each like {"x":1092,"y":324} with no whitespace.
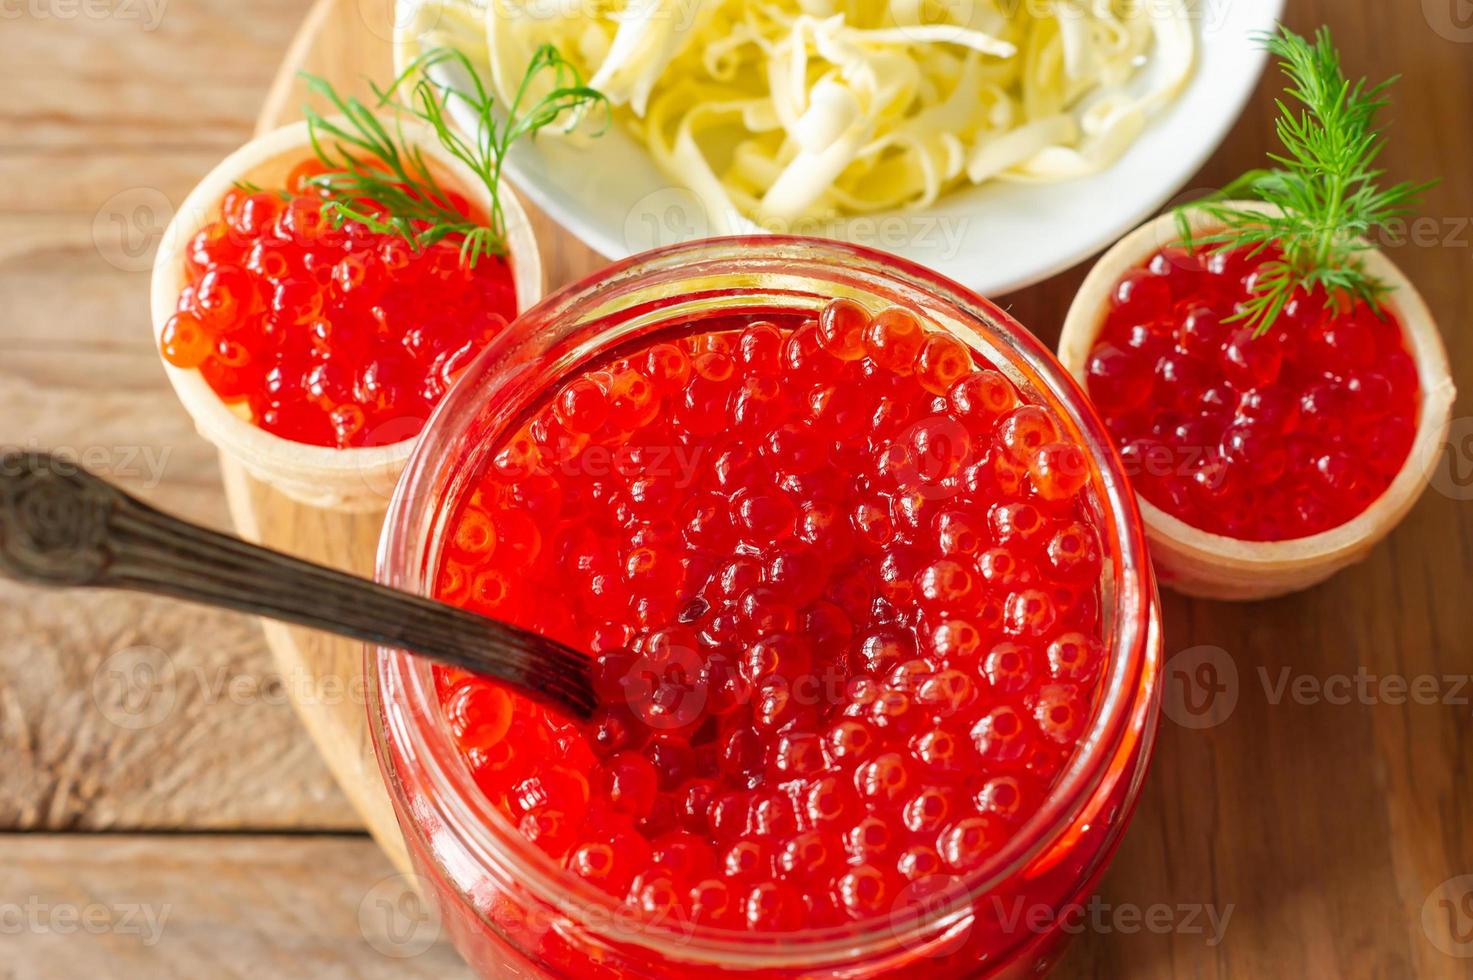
{"x":365,"y":161}
{"x":1325,"y":186}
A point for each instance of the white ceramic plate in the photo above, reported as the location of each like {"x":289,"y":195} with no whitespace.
{"x":995,"y":238}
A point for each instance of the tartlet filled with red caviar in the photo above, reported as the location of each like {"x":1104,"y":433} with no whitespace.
{"x":321,"y":288}
{"x":1263,"y":464}
{"x":1276,"y":386}
{"x":859,"y":601}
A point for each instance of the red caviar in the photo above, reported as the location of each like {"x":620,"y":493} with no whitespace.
{"x":336,"y":337}
{"x":842,"y":589}
{"x":1262,"y":438}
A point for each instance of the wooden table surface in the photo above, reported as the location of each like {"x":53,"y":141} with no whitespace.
{"x":163,"y":814}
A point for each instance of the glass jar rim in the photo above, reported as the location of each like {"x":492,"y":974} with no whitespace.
{"x":497,"y":845}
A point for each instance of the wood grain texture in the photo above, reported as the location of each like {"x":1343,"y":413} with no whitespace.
{"x":90,"y":161}
{"x":186,"y":907}
{"x":348,"y":43}
{"x":1331,"y":826}
{"x":1325,"y":820}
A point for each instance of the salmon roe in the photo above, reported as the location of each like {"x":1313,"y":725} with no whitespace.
{"x":330,"y":336}
{"x":842,"y":592}
{"x":1262,"y":438}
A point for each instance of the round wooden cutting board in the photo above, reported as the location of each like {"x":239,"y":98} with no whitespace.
{"x":346,"y":42}
{"x":1332,"y":832}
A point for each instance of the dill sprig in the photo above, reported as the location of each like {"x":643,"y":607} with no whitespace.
{"x":365,"y":161}
{"x":1325,"y":188}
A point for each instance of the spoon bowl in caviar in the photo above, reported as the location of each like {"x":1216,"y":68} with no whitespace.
{"x":61,"y":525}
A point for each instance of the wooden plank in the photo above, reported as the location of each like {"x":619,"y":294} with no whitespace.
{"x":347,"y":43}
{"x":1332,"y":827}
{"x":89,"y":76}
{"x":1328,"y":828}
{"x":134,"y":121}
{"x":118,"y":713}
{"x":212,"y":906}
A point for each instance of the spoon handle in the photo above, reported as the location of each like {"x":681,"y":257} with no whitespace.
{"x":63,"y":526}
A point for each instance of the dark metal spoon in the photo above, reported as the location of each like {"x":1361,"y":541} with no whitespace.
{"x":63,"y":526}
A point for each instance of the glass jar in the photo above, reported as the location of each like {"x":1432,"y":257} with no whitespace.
{"x":510,"y":910}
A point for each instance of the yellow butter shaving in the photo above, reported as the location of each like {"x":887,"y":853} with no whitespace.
{"x":776,"y":111}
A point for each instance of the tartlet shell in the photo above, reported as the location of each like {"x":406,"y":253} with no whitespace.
{"x":1198,"y":563}
{"x":355,"y":480}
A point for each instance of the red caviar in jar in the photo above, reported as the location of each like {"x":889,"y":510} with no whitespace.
{"x":841,"y":588}
{"x":1261,"y":438}
{"x":336,"y":337}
